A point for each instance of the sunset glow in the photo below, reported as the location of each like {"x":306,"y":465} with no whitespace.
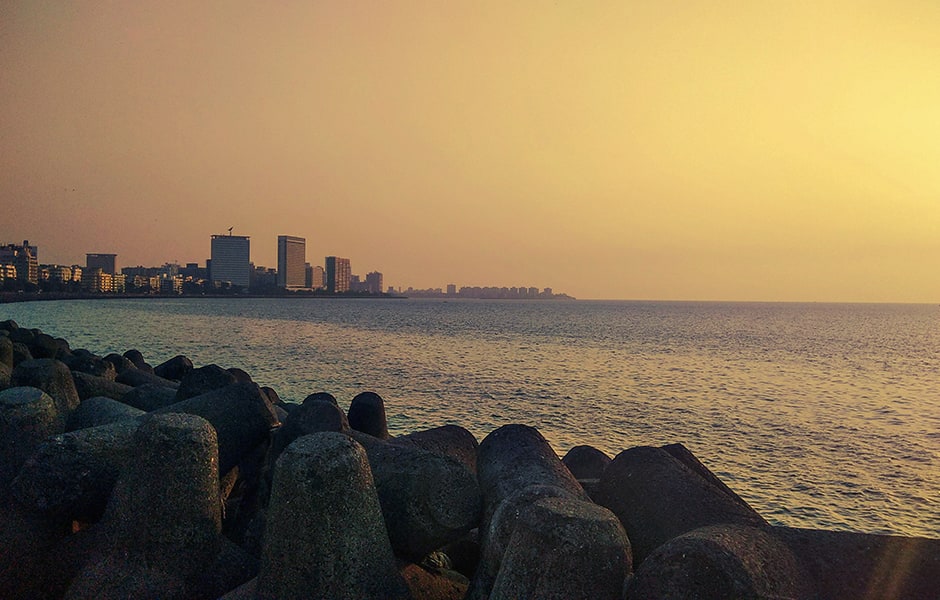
{"x":667,"y":150}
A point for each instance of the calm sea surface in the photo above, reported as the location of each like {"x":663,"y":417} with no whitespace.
{"x":819,"y":415}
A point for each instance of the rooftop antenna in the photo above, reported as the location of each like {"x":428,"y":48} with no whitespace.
{"x":230,"y":229}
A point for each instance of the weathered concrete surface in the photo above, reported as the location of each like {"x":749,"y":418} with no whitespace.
{"x":149,"y":397}
{"x":586,"y":462}
{"x":448,"y":440}
{"x":136,"y":377}
{"x":313,"y":416}
{"x":90,"y":386}
{"x":83,"y":361}
{"x":6,"y":351}
{"x":849,"y":566}
{"x":325,"y":535}
{"x":496,"y":536}
{"x":27,"y":417}
{"x":428,"y":500}
{"x":514,"y":457}
{"x":71,"y":476}
{"x":562,"y":548}
{"x":52,"y":377}
{"x":367,"y":414}
{"x":202,"y":380}
{"x":101,"y":411}
{"x":240,"y":414}
{"x":26,"y":539}
{"x":137,"y":358}
{"x":175,"y":368}
{"x":657,"y":498}
{"x":722,"y":561}
{"x":163,"y":520}
{"x":120,"y":363}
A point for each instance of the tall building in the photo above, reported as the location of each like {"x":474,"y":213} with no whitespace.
{"x":374,"y":282}
{"x":291,"y":262}
{"x":24,"y":258}
{"x":316,"y":277}
{"x":105,"y":262}
{"x":230,"y":260}
{"x":338,"y":274}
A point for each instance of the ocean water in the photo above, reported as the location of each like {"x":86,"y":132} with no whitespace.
{"x":819,"y":415}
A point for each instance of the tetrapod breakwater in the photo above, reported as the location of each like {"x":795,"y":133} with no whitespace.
{"x":124,"y":480}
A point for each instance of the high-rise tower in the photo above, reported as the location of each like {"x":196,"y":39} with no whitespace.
{"x":230,"y":259}
{"x":291,"y":259}
{"x":338,"y":273}
{"x":106,"y":262}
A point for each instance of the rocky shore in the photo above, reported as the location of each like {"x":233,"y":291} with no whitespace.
{"x":119,"y":479}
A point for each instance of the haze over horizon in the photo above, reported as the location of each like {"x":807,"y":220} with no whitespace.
{"x":672,"y":150}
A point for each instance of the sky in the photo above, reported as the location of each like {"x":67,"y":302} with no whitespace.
{"x":715,"y":150}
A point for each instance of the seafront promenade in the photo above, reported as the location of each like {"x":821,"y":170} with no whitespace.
{"x":123,"y":479}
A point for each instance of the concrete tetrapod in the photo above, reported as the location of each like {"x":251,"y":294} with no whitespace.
{"x":495,"y":538}
{"x":847,"y":565}
{"x":163,"y":522}
{"x":325,"y":536}
{"x":149,"y":396}
{"x":428,"y":500}
{"x":447,"y":440}
{"x":367,"y":414}
{"x":101,"y":410}
{"x":517,"y":456}
{"x":52,"y":377}
{"x":657,"y":498}
{"x":240,"y":413}
{"x":204,"y":379}
{"x":561,"y":549}
{"x":27,"y":417}
{"x":722,"y":561}
{"x":90,"y":386}
{"x":586,"y":462}
{"x":71,"y":476}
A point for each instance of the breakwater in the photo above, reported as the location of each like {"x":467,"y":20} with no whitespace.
{"x":120,"y":479}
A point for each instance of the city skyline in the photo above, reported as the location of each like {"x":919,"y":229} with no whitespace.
{"x":677,"y":151}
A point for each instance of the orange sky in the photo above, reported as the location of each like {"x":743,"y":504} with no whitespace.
{"x":663,"y":150}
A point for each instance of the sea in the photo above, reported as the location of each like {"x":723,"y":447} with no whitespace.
{"x":819,"y":415}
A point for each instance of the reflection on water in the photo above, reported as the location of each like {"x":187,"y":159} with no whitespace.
{"x":819,"y":415}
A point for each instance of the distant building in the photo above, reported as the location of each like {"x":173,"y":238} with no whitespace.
{"x":59,"y":273}
{"x":97,"y":281}
{"x":338,"y":274}
{"x":291,"y":262}
{"x":7,"y":272}
{"x":374,"y":282}
{"x":315,"y":277}
{"x":262,"y":277}
{"x":171,"y":284}
{"x":193,"y":272}
{"x":451,"y":289}
{"x":230,"y":260}
{"x":105,"y":262}
{"x":24,"y":258}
